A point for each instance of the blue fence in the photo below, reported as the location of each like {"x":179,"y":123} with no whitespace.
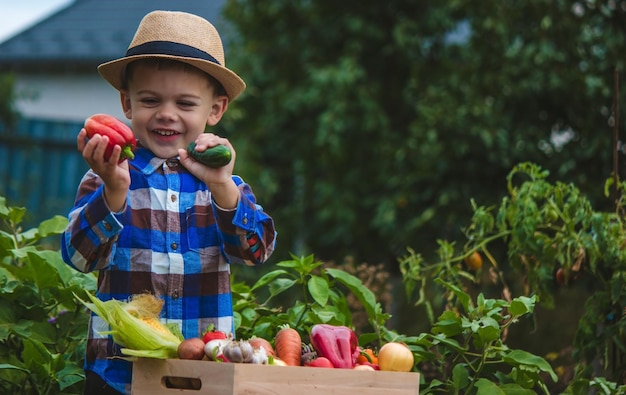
{"x":40,"y":167}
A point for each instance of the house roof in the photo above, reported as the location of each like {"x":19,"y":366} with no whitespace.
{"x":89,"y":32}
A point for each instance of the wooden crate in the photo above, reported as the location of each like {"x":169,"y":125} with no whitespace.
{"x":151,"y":377}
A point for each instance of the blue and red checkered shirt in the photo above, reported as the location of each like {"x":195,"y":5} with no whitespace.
{"x":171,"y":240}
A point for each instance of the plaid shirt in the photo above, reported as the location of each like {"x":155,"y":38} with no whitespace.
{"x":170,"y":240}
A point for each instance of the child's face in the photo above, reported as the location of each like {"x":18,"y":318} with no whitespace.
{"x":169,"y":108}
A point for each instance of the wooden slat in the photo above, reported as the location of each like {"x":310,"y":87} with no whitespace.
{"x":149,"y":378}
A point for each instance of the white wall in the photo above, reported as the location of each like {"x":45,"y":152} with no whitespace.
{"x":66,"y":97}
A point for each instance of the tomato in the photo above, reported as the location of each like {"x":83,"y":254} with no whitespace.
{"x":559,"y":276}
{"x":212,"y":334}
{"x":396,"y":357}
{"x":474,"y":261}
{"x":319,"y":362}
{"x":367,"y":355}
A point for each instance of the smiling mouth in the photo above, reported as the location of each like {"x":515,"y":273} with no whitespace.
{"x":165,"y":132}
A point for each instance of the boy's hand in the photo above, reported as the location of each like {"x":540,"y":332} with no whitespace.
{"x":220,"y":182}
{"x":116,"y":176}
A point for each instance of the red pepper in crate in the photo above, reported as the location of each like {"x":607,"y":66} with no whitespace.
{"x":117,"y":132}
{"x":337,"y":343}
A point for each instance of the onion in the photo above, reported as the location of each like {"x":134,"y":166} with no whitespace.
{"x":396,"y":357}
{"x":259,"y":342}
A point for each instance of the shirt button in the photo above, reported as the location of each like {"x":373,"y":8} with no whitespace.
{"x":171,"y":163}
{"x":245,"y":221}
{"x":173,"y":198}
{"x":175,"y":295}
{"x":174,"y":246}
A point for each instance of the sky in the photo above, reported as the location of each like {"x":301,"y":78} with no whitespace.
{"x":16,"y":16}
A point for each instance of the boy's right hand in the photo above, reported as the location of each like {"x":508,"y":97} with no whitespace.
{"x":116,"y":176}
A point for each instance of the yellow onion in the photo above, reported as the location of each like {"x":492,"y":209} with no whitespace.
{"x":395,"y":357}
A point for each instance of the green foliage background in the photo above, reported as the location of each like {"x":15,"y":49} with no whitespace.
{"x":368,"y":128}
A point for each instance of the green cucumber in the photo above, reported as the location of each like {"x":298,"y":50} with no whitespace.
{"x":214,"y":157}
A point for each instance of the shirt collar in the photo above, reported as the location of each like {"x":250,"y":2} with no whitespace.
{"x":146,"y":162}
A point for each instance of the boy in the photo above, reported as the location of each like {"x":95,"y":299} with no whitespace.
{"x":162,"y":222}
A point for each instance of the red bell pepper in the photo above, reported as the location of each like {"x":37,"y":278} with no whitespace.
{"x":337,"y":343}
{"x":117,"y":132}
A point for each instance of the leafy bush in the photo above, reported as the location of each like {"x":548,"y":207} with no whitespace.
{"x":545,"y":234}
{"x":43,"y":329}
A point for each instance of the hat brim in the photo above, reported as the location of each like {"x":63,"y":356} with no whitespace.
{"x":113,"y":72}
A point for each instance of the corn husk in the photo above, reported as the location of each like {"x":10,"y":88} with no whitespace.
{"x":136,"y":327}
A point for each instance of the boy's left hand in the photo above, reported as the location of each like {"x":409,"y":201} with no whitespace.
{"x":219,"y":180}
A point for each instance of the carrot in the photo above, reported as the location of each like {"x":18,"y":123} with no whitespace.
{"x":288,"y":345}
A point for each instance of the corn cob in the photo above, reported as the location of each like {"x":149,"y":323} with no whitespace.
{"x":136,"y":327}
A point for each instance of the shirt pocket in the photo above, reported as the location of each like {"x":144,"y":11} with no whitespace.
{"x":201,"y":230}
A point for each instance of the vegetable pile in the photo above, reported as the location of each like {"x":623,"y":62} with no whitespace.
{"x":136,"y":327}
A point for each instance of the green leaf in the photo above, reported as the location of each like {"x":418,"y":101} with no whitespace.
{"x":28,"y":236}
{"x":318,"y":288}
{"x":460,"y":376}
{"x":10,"y":323}
{"x":53,"y":226}
{"x":280,"y":285}
{"x":463,"y":297}
{"x":328,"y":314}
{"x":522,"y":305}
{"x":448,"y":324}
{"x":22,"y":252}
{"x":70,"y":375}
{"x":302,"y":265}
{"x":292,"y":264}
{"x":7,"y":243}
{"x":43,"y":266}
{"x":4,"y":210}
{"x":521,"y":357}
{"x":453,"y":344}
{"x":486,"y":387}
{"x":516,"y":389}
{"x":16,"y":214}
{"x":36,"y":356}
{"x":268,"y":278}
{"x":362,"y":293}
{"x":9,"y":366}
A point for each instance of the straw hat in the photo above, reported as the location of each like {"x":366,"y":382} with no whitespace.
{"x":180,"y":36}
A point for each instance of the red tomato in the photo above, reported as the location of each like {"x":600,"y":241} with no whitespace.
{"x":320,"y":362}
{"x":212,"y":334}
{"x":474,"y":261}
{"x":560,"y":276}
